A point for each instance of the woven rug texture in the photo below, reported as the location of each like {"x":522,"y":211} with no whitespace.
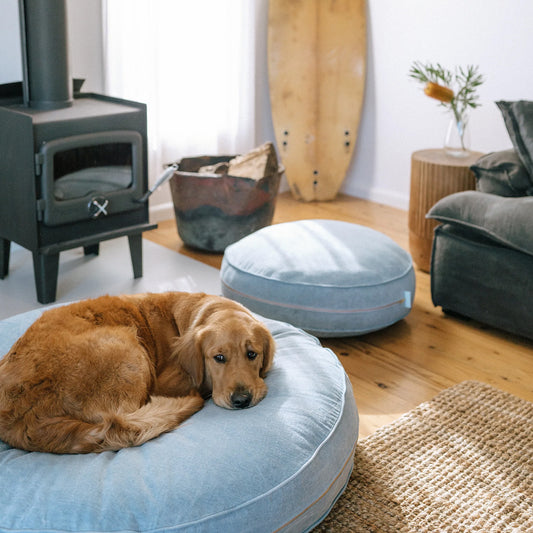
{"x":462,"y":462}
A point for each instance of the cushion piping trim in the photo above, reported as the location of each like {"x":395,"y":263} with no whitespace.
{"x":315,"y":309}
{"x":341,"y":471}
{"x":313,"y":284}
{"x":483,"y":231}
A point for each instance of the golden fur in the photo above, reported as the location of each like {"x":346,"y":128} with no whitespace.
{"x":116,"y":371}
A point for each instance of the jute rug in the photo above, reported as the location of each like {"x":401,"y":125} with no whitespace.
{"x":460,"y":462}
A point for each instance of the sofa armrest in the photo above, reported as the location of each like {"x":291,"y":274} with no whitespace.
{"x":507,"y":221}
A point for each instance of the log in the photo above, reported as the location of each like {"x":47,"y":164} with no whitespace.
{"x":255,"y":164}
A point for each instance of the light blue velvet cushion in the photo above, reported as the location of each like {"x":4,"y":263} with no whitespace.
{"x":278,"y":466}
{"x":327,"y":277}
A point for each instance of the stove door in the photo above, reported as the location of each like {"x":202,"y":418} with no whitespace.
{"x":90,"y":176}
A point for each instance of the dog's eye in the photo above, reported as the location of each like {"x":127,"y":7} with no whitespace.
{"x":219,"y":358}
{"x":251,"y":355}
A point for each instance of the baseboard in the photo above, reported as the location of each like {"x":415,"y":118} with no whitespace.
{"x":380,"y":196}
{"x":160,"y":212}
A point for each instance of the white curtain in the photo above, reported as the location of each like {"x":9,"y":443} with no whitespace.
{"x":192,"y":62}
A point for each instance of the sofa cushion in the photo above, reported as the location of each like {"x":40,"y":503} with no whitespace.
{"x":518,"y":118}
{"x":507,"y":221}
{"x":502,"y":173}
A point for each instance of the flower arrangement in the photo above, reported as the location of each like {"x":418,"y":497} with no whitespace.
{"x":455,"y":90}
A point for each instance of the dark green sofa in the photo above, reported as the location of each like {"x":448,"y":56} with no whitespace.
{"x":482,"y":258}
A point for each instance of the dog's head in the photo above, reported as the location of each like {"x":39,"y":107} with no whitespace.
{"x":228,"y":352}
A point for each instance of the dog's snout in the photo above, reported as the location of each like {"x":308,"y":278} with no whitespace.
{"x":241,"y":399}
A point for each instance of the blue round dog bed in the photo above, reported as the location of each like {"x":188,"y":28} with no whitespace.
{"x":278,"y":466}
{"x":330,"y":278}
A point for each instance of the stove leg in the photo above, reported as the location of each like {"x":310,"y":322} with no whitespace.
{"x":45,"y":270}
{"x":136,"y":253}
{"x":5,"y":249}
{"x":92,"y":249}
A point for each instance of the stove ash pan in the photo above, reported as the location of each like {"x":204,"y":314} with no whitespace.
{"x":89,"y":176}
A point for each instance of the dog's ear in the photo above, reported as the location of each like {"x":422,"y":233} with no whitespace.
{"x":269,"y":348}
{"x":187,"y":349}
{"x":185,"y":307}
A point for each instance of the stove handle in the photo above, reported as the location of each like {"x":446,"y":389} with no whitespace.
{"x":97,"y":206}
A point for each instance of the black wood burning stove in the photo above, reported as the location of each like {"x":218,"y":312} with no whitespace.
{"x":73,"y":168}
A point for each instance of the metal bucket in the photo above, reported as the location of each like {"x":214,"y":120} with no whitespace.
{"x":215,"y":210}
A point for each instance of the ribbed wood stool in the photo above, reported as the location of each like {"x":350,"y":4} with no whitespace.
{"x":434,"y":174}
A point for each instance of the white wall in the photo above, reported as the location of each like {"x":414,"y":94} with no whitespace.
{"x":10,"y":54}
{"x":397,"y":117}
{"x":84,"y":36}
{"x":85,"y":43}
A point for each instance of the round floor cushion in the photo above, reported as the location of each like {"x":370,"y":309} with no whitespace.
{"x":278,"y":466}
{"x":330,"y":278}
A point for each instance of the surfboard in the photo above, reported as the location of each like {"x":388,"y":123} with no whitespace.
{"x":316,"y":67}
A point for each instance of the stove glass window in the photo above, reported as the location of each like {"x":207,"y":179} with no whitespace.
{"x":95,"y":169}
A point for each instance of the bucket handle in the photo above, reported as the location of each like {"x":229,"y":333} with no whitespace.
{"x":163,"y":178}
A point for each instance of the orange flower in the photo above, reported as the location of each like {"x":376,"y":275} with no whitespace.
{"x":439,"y":92}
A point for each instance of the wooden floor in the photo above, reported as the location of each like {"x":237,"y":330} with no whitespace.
{"x":395,"y":369}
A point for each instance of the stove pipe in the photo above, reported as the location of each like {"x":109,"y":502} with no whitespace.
{"x":47,"y":83}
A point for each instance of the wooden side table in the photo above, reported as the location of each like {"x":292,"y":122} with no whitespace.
{"x":434,"y":174}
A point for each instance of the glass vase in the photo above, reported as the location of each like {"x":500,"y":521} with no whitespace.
{"x":457,"y":140}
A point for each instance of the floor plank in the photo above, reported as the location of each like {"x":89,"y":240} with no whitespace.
{"x":395,"y":369}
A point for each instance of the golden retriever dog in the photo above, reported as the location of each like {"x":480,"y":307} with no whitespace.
{"x":117,"y":371}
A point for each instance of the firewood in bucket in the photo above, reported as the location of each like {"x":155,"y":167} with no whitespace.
{"x":255,"y":164}
{"x":218,"y":168}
